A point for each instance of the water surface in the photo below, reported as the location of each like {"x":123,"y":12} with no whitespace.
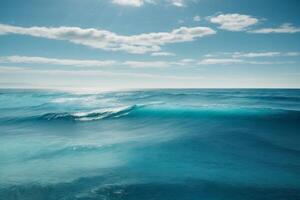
{"x":150,"y":144}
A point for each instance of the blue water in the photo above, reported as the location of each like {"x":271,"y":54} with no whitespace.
{"x":152,"y":144}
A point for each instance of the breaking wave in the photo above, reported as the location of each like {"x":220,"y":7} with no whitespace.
{"x":89,"y":116}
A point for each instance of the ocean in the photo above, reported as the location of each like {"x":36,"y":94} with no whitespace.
{"x":154,"y":144}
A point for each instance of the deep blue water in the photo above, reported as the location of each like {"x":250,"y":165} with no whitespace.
{"x":151,"y":144}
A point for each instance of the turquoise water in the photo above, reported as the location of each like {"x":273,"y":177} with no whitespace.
{"x":151,"y":144}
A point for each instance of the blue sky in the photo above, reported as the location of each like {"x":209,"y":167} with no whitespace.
{"x":112,"y":44}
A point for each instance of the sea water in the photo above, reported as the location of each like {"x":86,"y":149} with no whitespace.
{"x":185,"y":144}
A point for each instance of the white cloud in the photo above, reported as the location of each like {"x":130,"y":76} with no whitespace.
{"x":154,"y":64}
{"x":252,"y":54}
{"x":292,"y":54}
{"x":233,"y":22}
{"x":139,"y":3}
{"x":197,"y":18}
{"x":7,"y":69}
{"x":269,"y":62}
{"x":89,"y":63}
{"x":233,"y":61}
{"x":220,"y":61}
{"x":10,"y":69}
{"x":162,"y":53}
{"x":255,"y":54}
{"x":109,"y":41}
{"x":284,"y":28}
{"x":147,"y":64}
{"x":232,"y":58}
{"x":134,"y":3}
{"x":55,"y":61}
{"x":225,"y":58}
{"x":210,"y":55}
{"x":188,"y":60}
{"x":178,"y":3}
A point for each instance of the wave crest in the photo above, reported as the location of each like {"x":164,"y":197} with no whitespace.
{"x":89,"y":116}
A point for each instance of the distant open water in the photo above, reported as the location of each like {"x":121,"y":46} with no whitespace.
{"x":175,"y":144}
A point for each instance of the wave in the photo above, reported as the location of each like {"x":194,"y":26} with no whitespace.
{"x":89,"y":116}
{"x":159,"y":111}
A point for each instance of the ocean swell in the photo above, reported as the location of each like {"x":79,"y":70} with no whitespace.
{"x":233,"y":144}
{"x":160,"y":111}
{"x":85,"y":116}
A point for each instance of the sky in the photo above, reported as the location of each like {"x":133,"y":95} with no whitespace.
{"x":119,"y":44}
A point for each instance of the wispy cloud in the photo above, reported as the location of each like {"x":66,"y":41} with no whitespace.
{"x":109,"y":41}
{"x":139,"y":3}
{"x":162,"y":53}
{"x":252,"y":54}
{"x":233,"y":61}
{"x":56,"y":61}
{"x":15,"y":59}
{"x":7,"y":69}
{"x":292,"y":54}
{"x":211,"y":59}
{"x":197,"y":18}
{"x":226,"y":58}
{"x":24,"y":70}
{"x":284,"y":28}
{"x":147,"y":64}
{"x":178,"y":3}
{"x":233,"y":22}
{"x":134,"y":3}
{"x":255,"y":54}
{"x":188,"y":60}
{"x":220,"y":61}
